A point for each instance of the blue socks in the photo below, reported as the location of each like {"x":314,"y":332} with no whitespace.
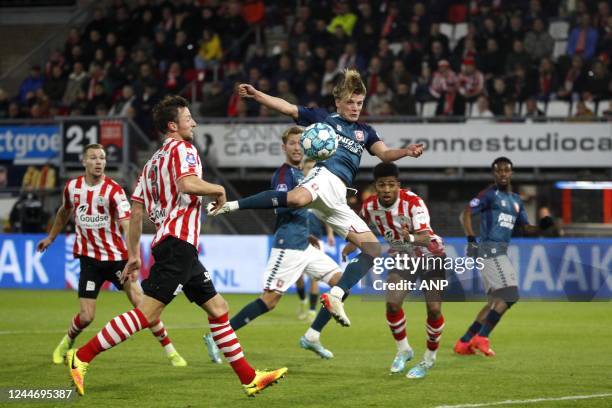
{"x":321,"y":320}
{"x":249,"y":312}
{"x":263,"y":200}
{"x":472,"y":331}
{"x":489,"y":324}
{"x":355,"y":270}
{"x":313,"y":300}
{"x":301,"y":292}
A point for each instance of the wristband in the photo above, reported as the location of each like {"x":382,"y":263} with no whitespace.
{"x":471,"y":238}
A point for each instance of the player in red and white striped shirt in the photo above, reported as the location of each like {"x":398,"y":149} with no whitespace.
{"x":402,"y":218}
{"x":101,"y":211}
{"x":170,"y":189}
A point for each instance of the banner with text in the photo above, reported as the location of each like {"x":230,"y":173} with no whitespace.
{"x":446,"y":145}
{"x":566,"y":269}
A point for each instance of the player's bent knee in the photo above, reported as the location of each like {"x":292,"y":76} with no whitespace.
{"x":509,"y":295}
{"x":393,"y":307}
{"x":298,"y":198}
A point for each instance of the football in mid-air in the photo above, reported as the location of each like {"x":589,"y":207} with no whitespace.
{"x":319,"y":141}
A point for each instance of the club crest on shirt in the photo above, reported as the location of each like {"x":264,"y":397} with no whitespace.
{"x":100,"y":200}
{"x":339,"y":128}
{"x":190,"y":158}
{"x":281,"y":187}
{"x":517,"y":208}
{"x":359,"y":135}
{"x":474,"y":202}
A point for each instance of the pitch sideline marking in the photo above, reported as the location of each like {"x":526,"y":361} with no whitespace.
{"x":527,"y":401}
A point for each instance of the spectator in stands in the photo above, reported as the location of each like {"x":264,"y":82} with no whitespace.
{"x":343,"y":18}
{"x":471,"y":81}
{"x":15,"y":111}
{"x":392,"y":25}
{"x":488,"y":32}
{"x":375,"y":103}
{"x":498,"y":96}
{"x":76,"y":82}
{"x":123,"y":106}
{"x":331,"y":71}
{"x":320,"y":36}
{"x":174,"y":81}
{"x":531,"y":109}
{"x":481,"y":109}
{"x":183,"y":51}
{"x":460,"y":50}
{"x":583,"y":39}
{"x":144,"y":24}
{"x":373,"y":75}
{"x":284,"y":72}
{"x":398,"y":75}
{"x":436,"y":35}
{"x":55,"y":85}
{"x":436,"y":55}
{"x":597,"y":83}
{"x":423,"y":84}
{"x":166,"y":23}
{"x":284,"y":92}
{"x":403,"y":102}
{"x":98,"y":23}
{"x":517,"y":57}
{"x":100,"y":97}
{"x":605,"y":37}
{"x":411,"y":58}
{"x":583,"y":113}
{"x":317,"y":61}
{"x":351,"y":58}
{"x":492,"y":60}
{"x":385,"y":54}
{"x":444,"y":87}
{"x":214,"y":102}
{"x":74,"y":38}
{"x":416,"y":38}
{"x":547,"y":80}
{"x":260,"y":60}
{"x":210,"y":52}
{"x":574,"y":81}
{"x":520,"y":84}
{"x":119,"y":69}
{"x":311,"y":96}
{"x":234,"y":27}
{"x":366,"y":31}
{"x":144,"y":104}
{"x":301,"y":75}
{"x":161,"y":50}
{"x":509,"y":115}
{"x":538,"y":42}
{"x":297,"y":35}
{"x":515,"y":31}
{"x":93,"y":43}
{"x":31,"y":83}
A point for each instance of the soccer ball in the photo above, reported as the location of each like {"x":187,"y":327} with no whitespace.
{"x":319,"y":141}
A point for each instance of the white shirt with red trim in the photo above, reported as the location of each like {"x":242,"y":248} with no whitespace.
{"x":174,"y":213}
{"x":97,"y":212}
{"x":407,"y":212}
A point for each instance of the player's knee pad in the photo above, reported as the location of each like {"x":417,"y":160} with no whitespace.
{"x":509,"y":295}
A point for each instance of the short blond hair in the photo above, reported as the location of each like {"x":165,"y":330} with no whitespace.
{"x":349,"y":83}
{"x":93,"y":146}
{"x":293,"y":130}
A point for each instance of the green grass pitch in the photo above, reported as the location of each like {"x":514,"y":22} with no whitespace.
{"x":544,"y":350}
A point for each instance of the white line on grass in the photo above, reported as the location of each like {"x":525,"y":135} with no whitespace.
{"x":528,"y":401}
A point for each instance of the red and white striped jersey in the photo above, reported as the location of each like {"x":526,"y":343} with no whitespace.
{"x":97,"y":212}
{"x":409,"y":211}
{"x":173,"y":213}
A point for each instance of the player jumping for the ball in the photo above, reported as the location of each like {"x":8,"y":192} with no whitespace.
{"x":101,"y":211}
{"x":294,"y":250}
{"x":325,"y":188}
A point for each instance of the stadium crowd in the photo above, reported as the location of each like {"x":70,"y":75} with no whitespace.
{"x":480,"y":58}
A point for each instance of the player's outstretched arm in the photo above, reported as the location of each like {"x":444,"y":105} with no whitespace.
{"x":387,"y":155}
{"x":61,"y":219}
{"x":134,"y":232}
{"x":269,"y":101}
{"x":196,"y":186}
